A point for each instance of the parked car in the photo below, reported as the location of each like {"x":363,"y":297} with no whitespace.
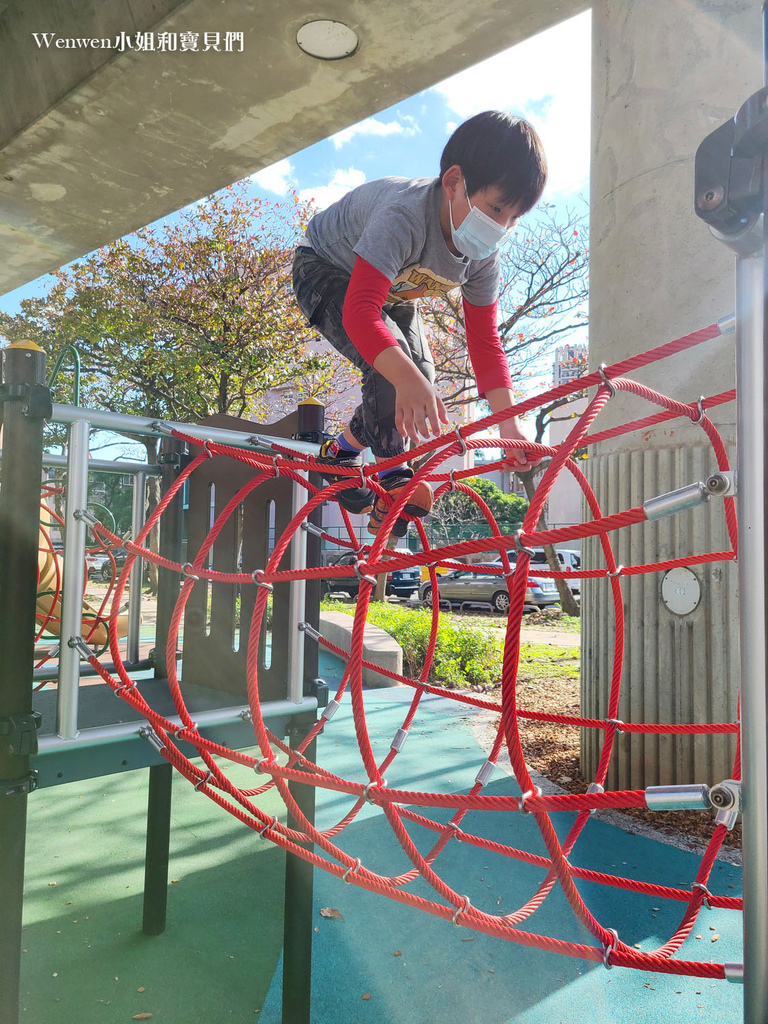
{"x":101,"y":565}
{"x":400,"y":582}
{"x":569,"y":560}
{"x":468,"y":586}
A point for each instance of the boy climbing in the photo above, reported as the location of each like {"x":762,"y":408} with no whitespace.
{"x":366,"y":261}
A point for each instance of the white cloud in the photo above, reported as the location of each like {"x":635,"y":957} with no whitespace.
{"x":341,"y":183}
{"x":277,"y":178}
{"x":373,"y":127}
{"x":547,"y":80}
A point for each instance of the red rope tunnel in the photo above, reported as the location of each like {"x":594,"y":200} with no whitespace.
{"x":278,"y":764}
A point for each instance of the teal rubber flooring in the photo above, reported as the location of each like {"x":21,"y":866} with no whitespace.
{"x":383,"y":963}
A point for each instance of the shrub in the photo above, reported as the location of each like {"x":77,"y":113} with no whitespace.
{"x":464,"y":655}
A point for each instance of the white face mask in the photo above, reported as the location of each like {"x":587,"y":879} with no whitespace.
{"x":478,"y":235}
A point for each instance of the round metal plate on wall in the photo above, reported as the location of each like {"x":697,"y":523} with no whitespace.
{"x":680,"y":591}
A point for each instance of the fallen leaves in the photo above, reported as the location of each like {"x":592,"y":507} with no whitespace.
{"x":331,"y":912}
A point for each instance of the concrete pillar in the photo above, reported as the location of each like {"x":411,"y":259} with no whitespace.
{"x":665,"y":73}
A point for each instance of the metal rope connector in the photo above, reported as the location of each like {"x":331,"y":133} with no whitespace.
{"x":85,"y":516}
{"x":162,"y":427}
{"x":734,"y":972}
{"x":700,"y":406}
{"x":203,"y":782}
{"x":361,"y":575}
{"x":726,"y":795}
{"x":722,"y":484}
{"x":260,"y":583}
{"x":606,"y":379}
{"x":372,"y":785}
{"x":461,"y":910}
{"x":594,"y":787}
{"x":461,"y":441}
{"x":519,"y":546}
{"x":485,"y":773}
{"x":310,"y":631}
{"x":610,"y":948}
{"x":330,"y":709}
{"x":270,"y":824}
{"x":311,"y":528}
{"x":705,"y":890}
{"x":398,"y":740}
{"x":522,"y":800}
{"x":352,"y":870}
{"x":82,"y":648}
{"x":187,"y":570}
{"x":148,"y":733}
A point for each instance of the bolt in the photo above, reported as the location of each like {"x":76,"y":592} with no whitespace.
{"x":717,"y":484}
{"x":710,"y":198}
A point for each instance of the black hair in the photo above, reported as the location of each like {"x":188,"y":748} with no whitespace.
{"x":496,"y":149}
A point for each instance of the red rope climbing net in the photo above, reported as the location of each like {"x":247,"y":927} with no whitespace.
{"x":278,"y":764}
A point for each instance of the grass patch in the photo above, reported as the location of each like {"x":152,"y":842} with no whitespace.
{"x":465,"y":655}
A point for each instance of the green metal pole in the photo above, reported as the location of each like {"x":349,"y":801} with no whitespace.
{"x":24,"y":401}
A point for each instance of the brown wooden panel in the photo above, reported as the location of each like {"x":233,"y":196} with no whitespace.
{"x":209,"y":655}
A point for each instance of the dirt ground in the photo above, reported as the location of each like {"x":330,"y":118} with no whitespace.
{"x":553,"y":750}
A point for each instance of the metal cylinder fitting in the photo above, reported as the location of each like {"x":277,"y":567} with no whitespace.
{"x":678,"y":798}
{"x":734,"y":972}
{"x":726,"y":795}
{"x":720,"y":484}
{"x":727,"y":818}
{"x":676,"y":501}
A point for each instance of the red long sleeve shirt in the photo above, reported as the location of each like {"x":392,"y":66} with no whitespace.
{"x":368,"y":291}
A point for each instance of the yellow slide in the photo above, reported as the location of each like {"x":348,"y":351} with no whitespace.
{"x":49,"y":565}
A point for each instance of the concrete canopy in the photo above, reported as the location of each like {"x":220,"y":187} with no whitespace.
{"x":97,"y":142}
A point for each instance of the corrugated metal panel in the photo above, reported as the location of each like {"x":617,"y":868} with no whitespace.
{"x":676,"y":668}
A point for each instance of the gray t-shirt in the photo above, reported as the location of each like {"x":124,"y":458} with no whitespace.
{"x":394,"y":224}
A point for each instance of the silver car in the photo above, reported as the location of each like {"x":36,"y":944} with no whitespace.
{"x":467,"y":587}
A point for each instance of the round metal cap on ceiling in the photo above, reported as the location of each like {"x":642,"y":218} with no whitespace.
{"x":327,"y":40}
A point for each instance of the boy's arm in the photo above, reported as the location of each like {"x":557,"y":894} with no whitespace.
{"x":494,"y":382}
{"x":418,"y":406}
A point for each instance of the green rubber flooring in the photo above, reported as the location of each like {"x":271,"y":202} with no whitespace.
{"x":86,"y":960}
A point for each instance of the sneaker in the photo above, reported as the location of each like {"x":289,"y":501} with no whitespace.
{"x":419,"y":503}
{"x":354,"y":499}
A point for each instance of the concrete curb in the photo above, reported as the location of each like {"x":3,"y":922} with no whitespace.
{"x":378,"y":646}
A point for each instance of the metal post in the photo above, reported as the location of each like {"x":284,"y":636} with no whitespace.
{"x":299,"y":883}
{"x":161,"y":776}
{"x":296,"y":601}
{"x":23,"y":369}
{"x":299,"y":877}
{"x":751,"y":478}
{"x":72,"y":584}
{"x":158,"y":849}
{"x":137,"y":572}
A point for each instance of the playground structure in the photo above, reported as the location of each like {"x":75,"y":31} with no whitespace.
{"x":292,"y":769}
{"x":233,"y":477}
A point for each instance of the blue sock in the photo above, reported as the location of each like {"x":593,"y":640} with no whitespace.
{"x":393,"y":469}
{"x":345,"y":445}
{"x":340,"y":444}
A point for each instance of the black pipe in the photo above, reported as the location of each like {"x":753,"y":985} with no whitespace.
{"x":24,"y":401}
{"x":161,"y":776}
{"x":299,"y":874}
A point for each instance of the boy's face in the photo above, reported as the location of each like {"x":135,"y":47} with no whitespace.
{"x":488,"y":200}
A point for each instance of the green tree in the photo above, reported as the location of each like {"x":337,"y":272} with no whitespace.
{"x":456,"y":516}
{"x":185,"y":319}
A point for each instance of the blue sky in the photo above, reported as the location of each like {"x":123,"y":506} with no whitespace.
{"x":546,"y":79}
